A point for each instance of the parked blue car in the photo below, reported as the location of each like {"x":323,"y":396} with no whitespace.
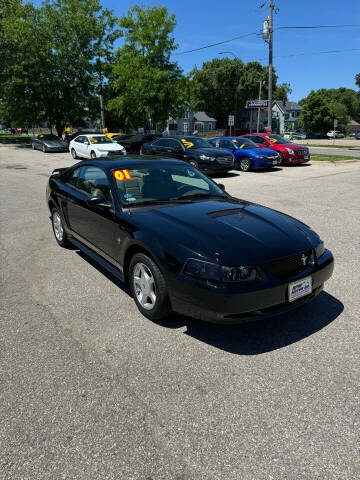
{"x":248,"y":155}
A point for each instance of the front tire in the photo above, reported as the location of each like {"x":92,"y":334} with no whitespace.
{"x":281,"y":158}
{"x":73,"y":153}
{"x":148,"y":287}
{"x":93,"y":155}
{"x":245,"y":164}
{"x":44,"y":149}
{"x":33,"y":146}
{"x":58,"y":229}
{"x":194,"y":164}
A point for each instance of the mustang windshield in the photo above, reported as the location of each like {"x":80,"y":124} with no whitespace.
{"x":100,"y":139}
{"x":162,"y":184}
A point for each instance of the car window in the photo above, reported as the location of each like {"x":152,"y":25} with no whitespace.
{"x":73,"y":179}
{"x":257,"y":140}
{"x":79,"y":139}
{"x":163,"y":142}
{"x":174,"y":143}
{"x":215,"y":143}
{"x":226,"y":144}
{"x":99,"y":139}
{"x":94,"y":182}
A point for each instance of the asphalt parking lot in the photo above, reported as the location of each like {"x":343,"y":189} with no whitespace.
{"x":90,"y":389}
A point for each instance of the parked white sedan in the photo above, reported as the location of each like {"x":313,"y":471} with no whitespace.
{"x":335,"y":134}
{"x":94,"y":146}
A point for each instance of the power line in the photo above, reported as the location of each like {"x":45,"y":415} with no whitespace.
{"x":313,"y":53}
{"x":317,"y":26}
{"x":218,"y":43}
{"x":292,"y":27}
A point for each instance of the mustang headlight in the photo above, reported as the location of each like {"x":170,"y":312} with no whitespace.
{"x":205,"y":157}
{"x":320,"y":249}
{"x":218,"y":273}
{"x":291,"y":151}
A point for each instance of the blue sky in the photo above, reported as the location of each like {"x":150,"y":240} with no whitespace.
{"x":202,"y":22}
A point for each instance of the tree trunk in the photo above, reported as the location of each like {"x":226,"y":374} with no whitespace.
{"x":59,"y":128}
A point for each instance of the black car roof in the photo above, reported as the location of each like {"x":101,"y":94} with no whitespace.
{"x":132,"y":161}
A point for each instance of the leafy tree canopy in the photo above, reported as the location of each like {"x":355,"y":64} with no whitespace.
{"x":145,"y":83}
{"x":213,"y":87}
{"x":54,"y":56}
{"x":321,"y":107}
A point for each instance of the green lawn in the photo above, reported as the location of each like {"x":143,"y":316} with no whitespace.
{"x":329,"y":146}
{"x":318,"y":157}
{"x":4,"y":138}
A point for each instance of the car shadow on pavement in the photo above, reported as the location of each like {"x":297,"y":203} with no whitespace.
{"x":263,"y":335}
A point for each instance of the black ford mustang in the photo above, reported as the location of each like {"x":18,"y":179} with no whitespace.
{"x":182,"y":243}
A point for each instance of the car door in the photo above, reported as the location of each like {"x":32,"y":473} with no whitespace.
{"x":78,"y":145}
{"x":175,"y":149}
{"x":160,"y":146}
{"x":94,"y":225}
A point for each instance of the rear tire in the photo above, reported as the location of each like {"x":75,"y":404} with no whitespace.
{"x":58,"y":229}
{"x":148,"y":287}
{"x":245,"y":164}
{"x":73,"y":153}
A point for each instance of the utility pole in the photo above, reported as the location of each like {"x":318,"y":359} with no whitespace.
{"x":258,"y":115}
{"x":102,"y":111}
{"x":271,"y":9}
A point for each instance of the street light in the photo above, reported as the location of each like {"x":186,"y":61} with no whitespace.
{"x":236,"y":89}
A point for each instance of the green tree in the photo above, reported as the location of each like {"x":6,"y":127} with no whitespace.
{"x":357,"y":80}
{"x":321,"y":107}
{"x":145,"y":84}
{"x":213,"y":87}
{"x":55,"y":56}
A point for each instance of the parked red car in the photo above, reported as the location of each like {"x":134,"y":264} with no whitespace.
{"x":290,"y":153}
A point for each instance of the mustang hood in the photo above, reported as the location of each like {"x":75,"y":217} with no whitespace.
{"x":233,"y":232}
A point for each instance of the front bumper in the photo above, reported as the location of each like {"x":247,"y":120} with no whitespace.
{"x":237,"y":303}
{"x":216,"y":167}
{"x":295,"y":160}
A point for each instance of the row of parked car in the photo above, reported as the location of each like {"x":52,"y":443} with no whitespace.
{"x":220,"y":154}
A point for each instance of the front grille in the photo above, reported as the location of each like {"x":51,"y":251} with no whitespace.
{"x":224,"y":160}
{"x":302,"y":151}
{"x":286,"y":267}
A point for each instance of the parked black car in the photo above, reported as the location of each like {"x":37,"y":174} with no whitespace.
{"x":134,"y":143}
{"x":182,"y":243}
{"x":49,"y":143}
{"x":197,"y":151}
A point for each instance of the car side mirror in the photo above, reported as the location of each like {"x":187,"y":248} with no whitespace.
{"x":99,"y":202}
{"x":222,"y":186}
{"x":86,"y":142}
{"x":179,"y":149}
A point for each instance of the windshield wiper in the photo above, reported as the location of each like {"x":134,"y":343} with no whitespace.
{"x":151,"y":202}
{"x":197,"y":195}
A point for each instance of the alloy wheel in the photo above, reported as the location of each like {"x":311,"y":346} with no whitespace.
{"x":144,"y":286}
{"x":245,"y":164}
{"x":58,"y":227}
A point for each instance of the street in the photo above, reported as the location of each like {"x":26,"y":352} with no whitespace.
{"x":90,"y":389}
